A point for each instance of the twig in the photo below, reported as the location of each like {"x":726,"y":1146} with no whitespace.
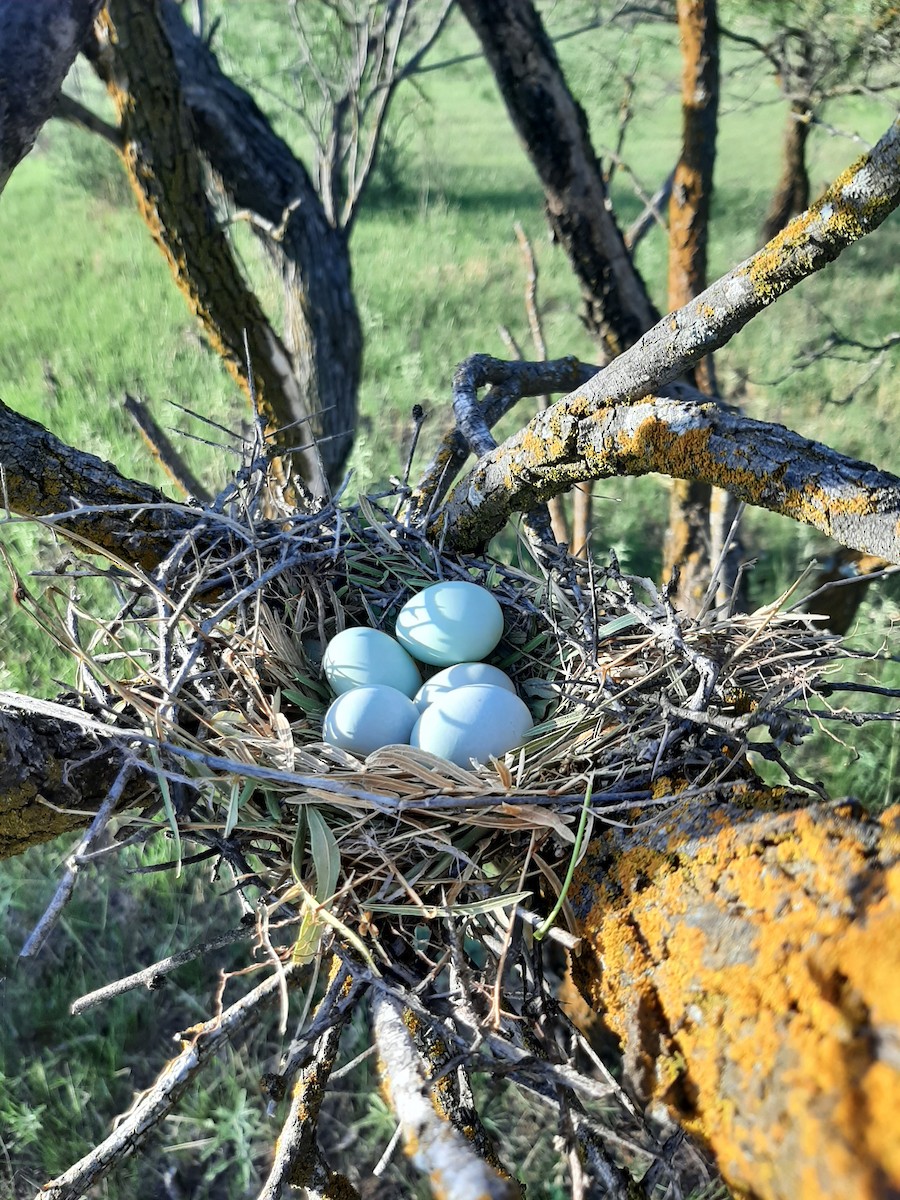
{"x":171,"y":1083}
{"x":152,"y":977}
{"x":66,"y":887}
{"x":163,"y":451}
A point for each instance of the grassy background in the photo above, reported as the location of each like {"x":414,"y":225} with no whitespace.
{"x":91,"y":312}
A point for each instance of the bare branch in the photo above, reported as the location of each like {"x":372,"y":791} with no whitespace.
{"x":78,"y":114}
{"x":201,"y":1043}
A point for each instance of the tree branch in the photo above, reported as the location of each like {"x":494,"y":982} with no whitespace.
{"x":137,"y":65}
{"x":765,"y":465}
{"x":554,"y":132}
{"x":42,"y":476}
{"x":749,"y":962}
{"x":54,"y":777}
{"x":40,"y":41}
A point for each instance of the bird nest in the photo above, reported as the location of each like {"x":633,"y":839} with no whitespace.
{"x":210,"y":671}
{"x":208,"y":675}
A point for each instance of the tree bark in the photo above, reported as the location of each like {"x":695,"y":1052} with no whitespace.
{"x":259,"y":172}
{"x":40,"y":40}
{"x":164,"y":167}
{"x":554,"y":132}
{"x":749,"y":964}
{"x":42,"y":476}
{"x":687,"y":547}
{"x":53,"y":778}
{"x":791,"y":195}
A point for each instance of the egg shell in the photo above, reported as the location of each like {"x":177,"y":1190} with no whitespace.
{"x":450,"y":623}
{"x":472,"y":722}
{"x":461,"y":675}
{"x":362,"y":657}
{"x":367,"y":718}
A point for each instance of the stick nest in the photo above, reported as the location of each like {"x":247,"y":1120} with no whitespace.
{"x":210,"y":672}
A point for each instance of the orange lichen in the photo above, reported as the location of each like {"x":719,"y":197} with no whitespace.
{"x":754,"y":977}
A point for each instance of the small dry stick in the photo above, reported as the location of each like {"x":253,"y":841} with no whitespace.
{"x":163,"y":451}
{"x":171,"y":1083}
{"x":66,"y":887}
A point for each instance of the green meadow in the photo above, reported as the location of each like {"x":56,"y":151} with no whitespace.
{"x":90,"y":312}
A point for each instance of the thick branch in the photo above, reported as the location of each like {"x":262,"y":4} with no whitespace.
{"x":554,"y":131}
{"x":42,"y":476}
{"x":749,"y":962}
{"x":53,"y":778}
{"x":166,"y":175}
{"x":762,"y":464}
{"x":259,"y":172}
{"x":853,"y":206}
{"x":40,"y":40}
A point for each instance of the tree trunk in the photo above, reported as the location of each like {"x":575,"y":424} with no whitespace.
{"x":39,"y":41}
{"x":791,"y":194}
{"x":165,"y":171}
{"x":554,"y":132}
{"x":687,"y":548}
{"x":259,"y":172}
{"x":749,"y":964}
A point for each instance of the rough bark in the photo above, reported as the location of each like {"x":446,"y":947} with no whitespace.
{"x":40,"y":40}
{"x":791,"y":195}
{"x":53,"y":779}
{"x":765,"y":465}
{"x":165,"y":170}
{"x":42,"y":476}
{"x":749,"y":964}
{"x":687,"y":547}
{"x":259,"y":172}
{"x":554,"y":132}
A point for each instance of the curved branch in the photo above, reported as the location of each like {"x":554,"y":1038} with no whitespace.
{"x":762,"y":464}
{"x":262,"y":176}
{"x":40,"y":41}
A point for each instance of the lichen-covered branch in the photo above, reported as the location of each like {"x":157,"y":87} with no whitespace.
{"x":266,"y":181}
{"x":456,"y":1172}
{"x":854,"y":205}
{"x":39,"y":41}
{"x":749,"y":962}
{"x":762,"y":464}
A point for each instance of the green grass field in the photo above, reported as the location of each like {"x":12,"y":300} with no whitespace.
{"x":90,"y":312}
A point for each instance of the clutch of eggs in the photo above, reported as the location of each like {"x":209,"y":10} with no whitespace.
{"x":469,"y":710}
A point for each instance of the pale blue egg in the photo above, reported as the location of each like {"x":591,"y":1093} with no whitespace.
{"x":361,"y":657}
{"x":473,"y":722}
{"x":367,"y":718}
{"x":461,"y":675}
{"x":450,"y":623}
